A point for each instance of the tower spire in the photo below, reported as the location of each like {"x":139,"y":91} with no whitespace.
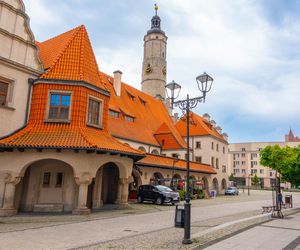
{"x":154,"y":63}
{"x":156,"y":9}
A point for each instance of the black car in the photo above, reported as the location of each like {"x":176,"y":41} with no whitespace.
{"x":158,"y":194}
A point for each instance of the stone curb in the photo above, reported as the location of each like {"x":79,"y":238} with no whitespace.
{"x":228,"y":229}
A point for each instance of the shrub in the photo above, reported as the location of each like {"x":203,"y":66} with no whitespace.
{"x":200,"y":193}
{"x":181,"y":194}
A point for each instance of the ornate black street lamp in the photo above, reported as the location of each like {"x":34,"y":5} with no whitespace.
{"x":204,"y":82}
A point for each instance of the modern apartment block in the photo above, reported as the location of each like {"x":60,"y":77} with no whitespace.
{"x":244,"y":158}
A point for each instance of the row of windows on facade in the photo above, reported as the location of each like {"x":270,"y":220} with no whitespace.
{"x":198,"y":146}
{"x":243,"y":155}
{"x":60,"y":109}
{"x":60,"y":104}
{"x":117,"y":115}
{"x":253,"y":171}
{"x":244,"y":149}
{"x":243,"y":163}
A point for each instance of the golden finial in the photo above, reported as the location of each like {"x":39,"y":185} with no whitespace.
{"x":156,"y":8}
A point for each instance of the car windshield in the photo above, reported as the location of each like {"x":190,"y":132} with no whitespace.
{"x":164,"y":188}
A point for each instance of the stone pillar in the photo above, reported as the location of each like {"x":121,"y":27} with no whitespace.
{"x":123,"y":191}
{"x":97,"y":194}
{"x":83,"y":181}
{"x":8,"y":206}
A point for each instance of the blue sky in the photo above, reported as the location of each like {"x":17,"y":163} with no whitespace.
{"x":250,"y":47}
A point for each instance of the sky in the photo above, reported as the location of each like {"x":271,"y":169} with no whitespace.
{"x":250,"y":47}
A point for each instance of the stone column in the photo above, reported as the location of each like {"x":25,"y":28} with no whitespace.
{"x":8,"y":206}
{"x":83,"y":181}
{"x":123,"y":191}
{"x":97,"y":199}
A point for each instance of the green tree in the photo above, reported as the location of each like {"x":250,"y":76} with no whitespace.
{"x":231,"y":177}
{"x":286,"y":161}
{"x":255,"y":180}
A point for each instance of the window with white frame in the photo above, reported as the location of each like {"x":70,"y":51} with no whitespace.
{"x":59,"y":106}
{"x":3,"y":93}
{"x":6,"y":91}
{"x":94,"y":115}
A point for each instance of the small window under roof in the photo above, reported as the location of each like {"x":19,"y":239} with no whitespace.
{"x":142,"y":101}
{"x":131,"y":96}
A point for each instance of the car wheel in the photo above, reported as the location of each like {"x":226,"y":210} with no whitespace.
{"x":158,"y":201}
{"x":139,"y":199}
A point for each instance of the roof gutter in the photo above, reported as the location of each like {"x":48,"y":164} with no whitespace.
{"x":171,"y":167}
{"x":135,"y":157}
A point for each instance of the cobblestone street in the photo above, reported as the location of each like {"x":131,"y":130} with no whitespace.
{"x":141,"y":226}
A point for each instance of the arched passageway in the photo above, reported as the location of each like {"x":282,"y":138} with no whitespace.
{"x":205,"y":184}
{"x":157,"y":179}
{"x":47,"y":186}
{"x":133,"y":186}
{"x":224,"y":184}
{"x":215,"y":185}
{"x":110,"y":181}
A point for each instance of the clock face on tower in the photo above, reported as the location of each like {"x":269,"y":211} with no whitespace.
{"x":148,"y":70}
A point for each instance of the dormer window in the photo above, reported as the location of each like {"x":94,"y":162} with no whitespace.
{"x":113,"y":113}
{"x":94,"y":115}
{"x":59,"y":106}
{"x":143,"y":102}
{"x":129,"y":118}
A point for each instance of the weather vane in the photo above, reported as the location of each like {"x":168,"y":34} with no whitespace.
{"x":156,"y":8}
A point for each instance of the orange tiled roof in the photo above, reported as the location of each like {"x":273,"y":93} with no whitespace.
{"x":67,"y":57}
{"x":150,"y":114}
{"x":199,"y":127}
{"x":163,"y":161}
{"x":64,"y":137}
{"x":70,"y":56}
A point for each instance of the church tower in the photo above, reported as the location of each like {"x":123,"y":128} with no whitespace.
{"x":154,"y":63}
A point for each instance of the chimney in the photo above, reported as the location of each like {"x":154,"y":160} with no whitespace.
{"x":117,"y":82}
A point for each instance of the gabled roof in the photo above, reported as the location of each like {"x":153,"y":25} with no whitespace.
{"x":199,"y":127}
{"x":150,"y":114}
{"x":168,"y":162}
{"x":166,"y":138}
{"x":70,"y":56}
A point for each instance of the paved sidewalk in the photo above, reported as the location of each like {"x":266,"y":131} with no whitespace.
{"x":276,"y":234}
{"x":78,"y":234}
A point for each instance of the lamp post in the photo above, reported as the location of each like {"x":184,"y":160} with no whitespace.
{"x":204,"y":83}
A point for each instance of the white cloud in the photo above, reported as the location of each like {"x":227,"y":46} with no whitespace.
{"x":255,"y":61}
